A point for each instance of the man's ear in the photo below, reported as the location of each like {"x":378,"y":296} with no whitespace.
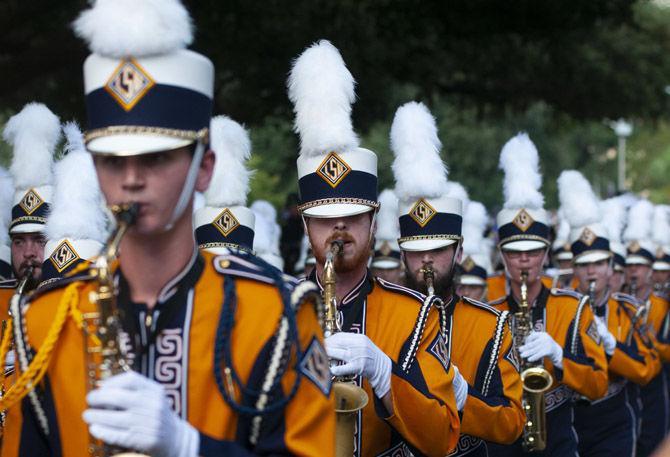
{"x":459,"y":253}
{"x":205,"y":171}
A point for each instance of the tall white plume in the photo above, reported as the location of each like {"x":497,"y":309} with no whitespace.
{"x":321,"y":89}
{"x":614,"y":218}
{"x":266,"y":210}
{"x":639,"y":222}
{"x":138,"y":28}
{"x":33,"y":133}
{"x":661,"y":226}
{"x":520,"y":162}
{"x":418,"y":168}
{"x":457,"y":191}
{"x":387,"y":218}
{"x":474,"y":225}
{"x":230,"y":180}
{"x":579,"y":203}
{"x":562,"y":231}
{"x":77,"y":208}
{"x":6,"y":201}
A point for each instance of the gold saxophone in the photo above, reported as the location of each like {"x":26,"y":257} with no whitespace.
{"x":349,"y":398}
{"x":102,"y":328}
{"x":536,"y":379}
{"x":592,"y":294}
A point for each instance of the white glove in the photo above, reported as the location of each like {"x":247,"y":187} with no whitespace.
{"x":539,"y":345}
{"x":132,"y":412}
{"x":460,"y":388}
{"x":360,"y":357}
{"x":609,"y":342}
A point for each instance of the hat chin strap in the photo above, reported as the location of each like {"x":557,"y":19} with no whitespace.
{"x":189,"y":184}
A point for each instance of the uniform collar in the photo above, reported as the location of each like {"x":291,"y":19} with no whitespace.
{"x":364,"y":286}
{"x":540,"y":301}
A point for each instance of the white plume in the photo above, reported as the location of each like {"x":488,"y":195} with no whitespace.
{"x":562,"y":231}
{"x":230,"y":181}
{"x":77,"y":208}
{"x":321,"y":89}
{"x":639,"y":222}
{"x":661,"y":226}
{"x":457,"y":191}
{"x":6,"y":201}
{"x":474,"y":224}
{"x":579,"y":203}
{"x":138,"y":28}
{"x":614,"y":218}
{"x":387,"y":218}
{"x":520,"y":162}
{"x":33,"y":133}
{"x":418,"y":168}
{"x":267,"y":234}
{"x":265,"y":208}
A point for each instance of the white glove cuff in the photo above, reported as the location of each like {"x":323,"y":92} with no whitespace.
{"x":610,"y":344}
{"x":557,"y":356}
{"x":460,"y":390}
{"x":381,"y":381}
{"x":188,"y":441}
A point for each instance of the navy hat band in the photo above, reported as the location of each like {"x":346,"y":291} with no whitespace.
{"x":439,"y":224}
{"x":599,"y":244}
{"x":619,"y":259}
{"x":356,"y":184}
{"x":643,"y":253}
{"x":390,"y":255}
{"x":163,"y":106}
{"x":478,"y":271}
{"x":38,"y":216}
{"x":208,"y":234}
{"x":536,"y":230}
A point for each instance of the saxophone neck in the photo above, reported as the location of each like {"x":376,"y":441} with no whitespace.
{"x":429,"y":277}
{"x":523,"y":289}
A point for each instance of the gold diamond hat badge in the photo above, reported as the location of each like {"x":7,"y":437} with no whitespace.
{"x":523,"y":220}
{"x":587,"y":237}
{"x":333,"y":169}
{"x":31,"y":201}
{"x":226,"y":222}
{"x":468,"y":264}
{"x":128,"y":84}
{"x":422,"y":212}
{"x":63,"y":256}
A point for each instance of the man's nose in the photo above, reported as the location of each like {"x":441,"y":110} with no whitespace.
{"x":133,"y":176}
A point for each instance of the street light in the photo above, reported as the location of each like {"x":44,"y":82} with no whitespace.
{"x":623,"y":130}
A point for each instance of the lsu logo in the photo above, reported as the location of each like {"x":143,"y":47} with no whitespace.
{"x":226,"y":222}
{"x":128,"y":84}
{"x":316,"y":366}
{"x":333,"y":169}
{"x":468,"y":264}
{"x":587,"y":237}
{"x":31,"y":201}
{"x":523,"y":220}
{"x":438,"y":348}
{"x":63,"y":256}
{"x":422,"y":212}
{"x":592,"y":332}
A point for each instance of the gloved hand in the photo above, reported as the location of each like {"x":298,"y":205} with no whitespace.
{"x":539,"y":345}
{"x":460,"y":388}
{"x":360,"y":357}
{"x":609,"y":342}
{"x":132,"y":412}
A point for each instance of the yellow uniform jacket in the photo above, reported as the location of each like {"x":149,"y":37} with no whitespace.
{"x":219,"y":309}
{"x":656,"y":324}
{"x":6,"y":291}
{"x":479,"y":343}
{"x":406,"y":328}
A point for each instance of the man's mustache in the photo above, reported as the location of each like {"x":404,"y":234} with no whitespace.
{"x":341,"y":236}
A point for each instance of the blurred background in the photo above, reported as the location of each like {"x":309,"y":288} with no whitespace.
{"x":563,"y":71}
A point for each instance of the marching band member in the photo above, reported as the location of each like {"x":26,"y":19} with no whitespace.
{"x":224,"y":359}
{"x":606,"y":426}
{"x":475,"y":338}
{"x":387,"y":330}
{"x":225,"y":222}
{"x":34,"y":133}
{"x":386,"y":262}
{"x":476,"y":265}
{"x":564,"y":337}
{"x":653,"y":312}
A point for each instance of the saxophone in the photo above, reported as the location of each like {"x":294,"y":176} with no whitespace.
{"x":639,"y":316}
{"x":349,"y":398}
{"x":536,"y":379}
{"x":102,"y":328}
{"x":592,"y":294}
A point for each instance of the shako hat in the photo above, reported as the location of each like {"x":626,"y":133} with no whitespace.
{"x":523,"y":222}
{"x":33,"y":134}
{"x":225,"y":221}
{"x":429,"y":218}
{"x":588,"y":237}
{"x":76,"y":226}
{"x":336,"y":177}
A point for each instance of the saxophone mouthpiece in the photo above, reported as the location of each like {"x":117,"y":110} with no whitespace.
{"x":126,"y":212}
{"x":337,"y":247}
